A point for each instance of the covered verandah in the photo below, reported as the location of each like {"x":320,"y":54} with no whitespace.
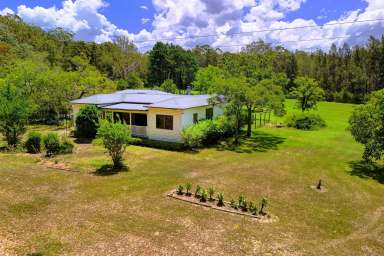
{"x":134,"y":115}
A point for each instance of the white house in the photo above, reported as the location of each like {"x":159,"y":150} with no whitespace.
{"x":154,"y":114}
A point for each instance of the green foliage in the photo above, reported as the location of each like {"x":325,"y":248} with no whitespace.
{"x":168,"y":86}
{"x":253,"y":208}
{"x":307,"y":92}
{"x":51,"y":144}
{"x":166,"y":145}
{"x":133,"y":81}
{"x":33,"y":142}
{"x":367,"y":126}
{"x":203,"y":195}
{"x":211,"y":192}
{"x":207,"y":132}
{"x":243,"y":204}
{"x":220,"y":198}
{"x":180,"y":189}
{"x":115,"y":137}
{"x":87,"y":122}
{"x":206,"y":78}
{"x":188,"y":187}
{"x":66,"y":146}
{"x":305,"y":121}
{"x":198,"y":191}
{"x":168,"y":61}
{"x":13,"y":115}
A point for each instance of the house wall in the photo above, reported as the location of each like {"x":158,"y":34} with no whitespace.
{"x":161,"y":134}
{"x":187,"y":118}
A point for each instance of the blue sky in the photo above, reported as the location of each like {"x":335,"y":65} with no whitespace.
{"x":151,"y":20}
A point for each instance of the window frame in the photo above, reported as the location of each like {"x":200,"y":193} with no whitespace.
{"x":161,"y":122}
{"x":195,"y":118}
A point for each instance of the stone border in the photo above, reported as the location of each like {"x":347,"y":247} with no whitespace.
{"x":213,"y":205}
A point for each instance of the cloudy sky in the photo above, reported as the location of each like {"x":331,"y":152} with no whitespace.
{"x":228,"y":24}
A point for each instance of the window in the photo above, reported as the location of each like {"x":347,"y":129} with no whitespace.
{"x":139,"y":119}
{"x":121,"y":117}
{"x":209,"y":113}
{"x":164,"y":122}
{"x":195,"y":118}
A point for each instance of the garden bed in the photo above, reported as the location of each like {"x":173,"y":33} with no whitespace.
{"x":213,"y":204}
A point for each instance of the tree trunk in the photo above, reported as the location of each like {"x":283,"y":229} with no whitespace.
{"x":249,"y":122}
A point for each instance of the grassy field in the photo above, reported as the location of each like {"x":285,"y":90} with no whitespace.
{"x":51,"y":212}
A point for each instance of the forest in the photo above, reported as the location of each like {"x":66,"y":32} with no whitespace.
{"x":50,"y":68}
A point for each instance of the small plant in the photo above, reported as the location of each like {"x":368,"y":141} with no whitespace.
{"x":264,"y":203}
{"x":233,"y":204}
{"x":220,"y":198}
{"x":180,"y":189}
{"x":188,"y":187}
{"x":243,"y":203}
{"x":197,"y":191}
{"x":211,"y":192}
{"x":52,"y":144}
{"x":203,"y":196}
{"x":33,"y":143}
{"x":66,"y":146}
{"x":253,"y":208}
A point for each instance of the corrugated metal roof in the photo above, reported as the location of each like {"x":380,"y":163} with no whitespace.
{"x":127,"y":106}
{"x":151,"y":98}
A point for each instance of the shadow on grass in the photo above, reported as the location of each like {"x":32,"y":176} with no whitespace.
{"x":259,"y":142}
{"x":108,"y":170}
{"x":83,"y":141}
{"x":367,"y":170}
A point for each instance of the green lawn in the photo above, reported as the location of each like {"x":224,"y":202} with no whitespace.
{"x":54,"y":212}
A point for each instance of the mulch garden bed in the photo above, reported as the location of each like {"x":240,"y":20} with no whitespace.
{"x":213,"y":204}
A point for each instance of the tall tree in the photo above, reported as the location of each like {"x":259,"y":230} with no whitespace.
{"x":307,"y":92}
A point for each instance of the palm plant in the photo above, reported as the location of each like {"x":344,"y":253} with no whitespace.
{"x":188,"y":187}
{"x":180,"y":189}
{"x":198,"y":191}
{"x":203,"y":196}
{"x":253,"y":208}
{"x":220,"y":198}
{"x":211,"y":192}
{"x":264,"y":203}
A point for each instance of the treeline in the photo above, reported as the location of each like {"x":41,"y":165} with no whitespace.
{"x":51,"y":68}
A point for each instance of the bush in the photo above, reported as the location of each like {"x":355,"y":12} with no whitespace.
{"x":211,"y":192}
{"x":115,"y":137}
{"x":306,"y":121}
{"x":188,"y":187}
{"x":220,"y":198}
{"x":180,"y":189}
{"x":52,"y":144}
{"x":203,"y":196}
{"x":253,"y":208}
{"x":66,"y":146}
{"x":198,"y":191}
{"x":173,"y":146}
{"x":264,"y":203}
{"x":243,"y":203}
{"x":207,"y":132}
{"x":87,"y":122}
{"x":33,"y":143}
{"x":233,"y":204}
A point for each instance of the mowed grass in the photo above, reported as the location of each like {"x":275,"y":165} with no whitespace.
{"x":52,"y":212}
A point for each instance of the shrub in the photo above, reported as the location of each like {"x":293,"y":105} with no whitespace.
{"x":180,"y":189}
{"x":33,"y":143}
{"x":253,"y":208}
{"x":173,"y":146}
{"x":264,"y":203}
{"x":305,"y":121}
{"x":233,"y":204}
{"x":188,"y":187}
{"x":115,"y":137}
{"x":66,"y":146}
{"x":203,"y":196}
{"x":198,"y":191}
{"x":211,"y":192}
{"x":87,"y":122}
{"x":207,"y":132}
{"x":52,"y":144}
{"x":242,"y":203}
{"x":220,"y":198}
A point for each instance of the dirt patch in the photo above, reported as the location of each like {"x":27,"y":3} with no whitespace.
{"x":56,"y":165}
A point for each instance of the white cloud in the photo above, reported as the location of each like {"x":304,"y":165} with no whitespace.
{"x":145,"y":20}
{"x":6,"y":11}
{"x":193,"y":18}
